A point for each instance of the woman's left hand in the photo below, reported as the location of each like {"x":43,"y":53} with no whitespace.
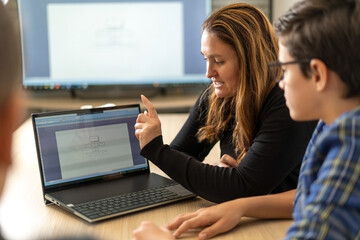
{"x":226,"y":161}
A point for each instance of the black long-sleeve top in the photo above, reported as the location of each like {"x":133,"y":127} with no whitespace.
{"x":271,"y":165}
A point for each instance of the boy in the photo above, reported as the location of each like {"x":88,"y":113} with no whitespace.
{"x":319,"y":57}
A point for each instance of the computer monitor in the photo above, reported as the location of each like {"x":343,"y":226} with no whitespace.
{"x":70,"y":44}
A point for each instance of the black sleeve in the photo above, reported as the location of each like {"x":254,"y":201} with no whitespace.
{"x":276,"y":152}
{"x":186,"y":140}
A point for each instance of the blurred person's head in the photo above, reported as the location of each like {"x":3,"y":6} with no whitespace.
{"x":10,"y":96}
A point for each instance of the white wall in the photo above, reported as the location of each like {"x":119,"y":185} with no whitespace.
{"x":280,"y":7}
{"x":264,"y":5}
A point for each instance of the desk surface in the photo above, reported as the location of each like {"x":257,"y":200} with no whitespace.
{"x":23,"y":215}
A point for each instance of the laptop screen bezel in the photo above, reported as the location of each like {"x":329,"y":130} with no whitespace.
{"x":76,"y":183}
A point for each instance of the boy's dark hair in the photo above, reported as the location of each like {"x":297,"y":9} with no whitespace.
{"x":10,"y":56}
{"x":328,"y":30}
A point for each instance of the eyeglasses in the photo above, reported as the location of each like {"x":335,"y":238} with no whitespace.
{"x":276,"y":70}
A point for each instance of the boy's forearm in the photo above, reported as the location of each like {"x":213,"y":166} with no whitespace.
{"x":278,"y":205}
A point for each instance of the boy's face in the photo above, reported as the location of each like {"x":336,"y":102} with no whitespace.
{"x":298,"y":89}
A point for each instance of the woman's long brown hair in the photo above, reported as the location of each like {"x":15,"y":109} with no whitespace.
{"x":248,"y":31}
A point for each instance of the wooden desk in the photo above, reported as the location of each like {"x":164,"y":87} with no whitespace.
{"x":23,"y":215}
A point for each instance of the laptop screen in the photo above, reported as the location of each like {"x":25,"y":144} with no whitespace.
{"x":86,"y":144}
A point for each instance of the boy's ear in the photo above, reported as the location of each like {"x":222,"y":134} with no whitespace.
{"x":9,"y":120}
{"x":319,"y":74}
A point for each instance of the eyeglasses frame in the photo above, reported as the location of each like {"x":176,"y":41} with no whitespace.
{"x":273,"y":64}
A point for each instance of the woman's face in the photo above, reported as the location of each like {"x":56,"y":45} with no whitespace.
{"x":222,"y":65}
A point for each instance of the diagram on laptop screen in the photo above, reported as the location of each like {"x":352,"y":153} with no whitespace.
{"x":93,"y":150}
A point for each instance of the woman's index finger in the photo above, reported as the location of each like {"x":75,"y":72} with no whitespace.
{"x":151,"y":109}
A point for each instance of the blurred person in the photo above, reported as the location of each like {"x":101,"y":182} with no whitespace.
{"x":11,"y":103}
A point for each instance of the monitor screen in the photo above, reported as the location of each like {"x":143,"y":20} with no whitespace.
{"x":81,"y":43}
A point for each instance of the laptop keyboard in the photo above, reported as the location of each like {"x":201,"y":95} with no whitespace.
{"x":126,"y":202}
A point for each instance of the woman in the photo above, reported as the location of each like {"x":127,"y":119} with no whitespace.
{"x":317,"y":85}
{"x":243,"y":109}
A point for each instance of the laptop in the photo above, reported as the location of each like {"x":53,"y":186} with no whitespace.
{"x":90,"y":164}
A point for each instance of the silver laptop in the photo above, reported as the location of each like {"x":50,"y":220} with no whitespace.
{"x":90,"y":164}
